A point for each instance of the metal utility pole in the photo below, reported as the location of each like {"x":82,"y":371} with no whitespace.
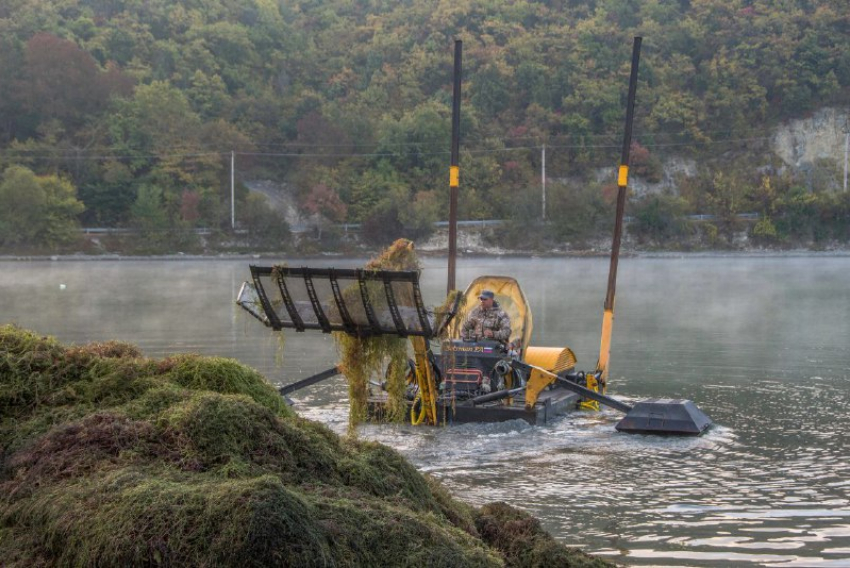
{"x":846,"y":152}
{"x":454,"y":170}
{"x":232,"y":189}
{"x":543,"y":177}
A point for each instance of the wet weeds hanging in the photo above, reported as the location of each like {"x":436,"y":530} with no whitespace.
{"x":364,"y":357}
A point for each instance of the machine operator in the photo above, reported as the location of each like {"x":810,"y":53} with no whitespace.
{"x":487,"y":321}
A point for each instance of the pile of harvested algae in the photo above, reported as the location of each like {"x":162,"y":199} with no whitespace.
{"x":111,"y":458}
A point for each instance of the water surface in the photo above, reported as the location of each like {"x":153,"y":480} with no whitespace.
{"x":761,"y":344}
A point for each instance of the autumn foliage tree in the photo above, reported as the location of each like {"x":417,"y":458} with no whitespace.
{"x":324,"y":204}
{"x":116,"y":96}
{"x":60,"y":81}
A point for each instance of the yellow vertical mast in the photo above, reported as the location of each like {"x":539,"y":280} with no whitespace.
{"x":622,"y":184}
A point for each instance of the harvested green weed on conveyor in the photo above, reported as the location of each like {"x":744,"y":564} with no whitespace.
{"x":108,"y":458}
{"x":363,"y":357}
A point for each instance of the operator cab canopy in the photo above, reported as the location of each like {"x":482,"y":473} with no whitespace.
{"x":510,"y":298}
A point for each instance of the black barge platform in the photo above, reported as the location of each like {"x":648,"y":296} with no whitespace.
{"x":551,"y":404}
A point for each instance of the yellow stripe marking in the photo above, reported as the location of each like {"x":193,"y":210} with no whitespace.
{"x":623,"y":176}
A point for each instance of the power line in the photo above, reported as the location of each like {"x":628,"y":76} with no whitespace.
{"x":330,"y":155}
{"x":708,"y":142}
{"x":83,"y":156}
{"x":77,"y":157}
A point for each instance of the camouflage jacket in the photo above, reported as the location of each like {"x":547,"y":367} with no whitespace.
{"x":480,"y":319}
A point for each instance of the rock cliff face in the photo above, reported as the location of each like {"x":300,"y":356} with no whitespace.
{"x":279,"y":197}
{"x":674,"y":168}
{"x":802,"y":143}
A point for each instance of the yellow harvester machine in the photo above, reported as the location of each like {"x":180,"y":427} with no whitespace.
{"x":463,"y":381}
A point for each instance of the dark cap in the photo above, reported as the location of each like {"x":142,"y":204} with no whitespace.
{"x":486,"y":294}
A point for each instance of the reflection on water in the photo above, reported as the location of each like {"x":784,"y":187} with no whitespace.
{"x":761,"y":344}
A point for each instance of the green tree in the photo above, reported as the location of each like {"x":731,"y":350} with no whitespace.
{"x":417,"y":143}
{"x":726,"y":199}
{"x":765,"y":197}
{"x":61,"y":211}
{"x":148,"y":212}
{"x":23,"y":200}
{"x":108,"y":196}
{"x":659,"y":219}
{"x":579,"y":211}
{"x":797,"y":215}
{"x":161,"y":116}
{"x":37,"y":210}
{"x":489,"y":91}
{"x":208,"y":94}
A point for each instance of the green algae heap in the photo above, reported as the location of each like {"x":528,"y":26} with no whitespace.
{"x":108,"y":458}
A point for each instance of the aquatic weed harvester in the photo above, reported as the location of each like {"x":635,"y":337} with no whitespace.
{"x":467,"y":381}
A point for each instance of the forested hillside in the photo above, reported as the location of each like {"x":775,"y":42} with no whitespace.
{"x":126,"y":113}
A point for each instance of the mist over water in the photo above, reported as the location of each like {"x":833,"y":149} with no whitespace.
{"x":761,"y":344}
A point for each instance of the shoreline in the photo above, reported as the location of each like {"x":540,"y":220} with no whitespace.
{"x":497,"y":253}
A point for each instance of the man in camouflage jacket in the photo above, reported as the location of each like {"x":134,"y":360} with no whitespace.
{"x":487,"y":321}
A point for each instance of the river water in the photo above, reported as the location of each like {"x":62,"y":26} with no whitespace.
{"x":761,"y":344}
